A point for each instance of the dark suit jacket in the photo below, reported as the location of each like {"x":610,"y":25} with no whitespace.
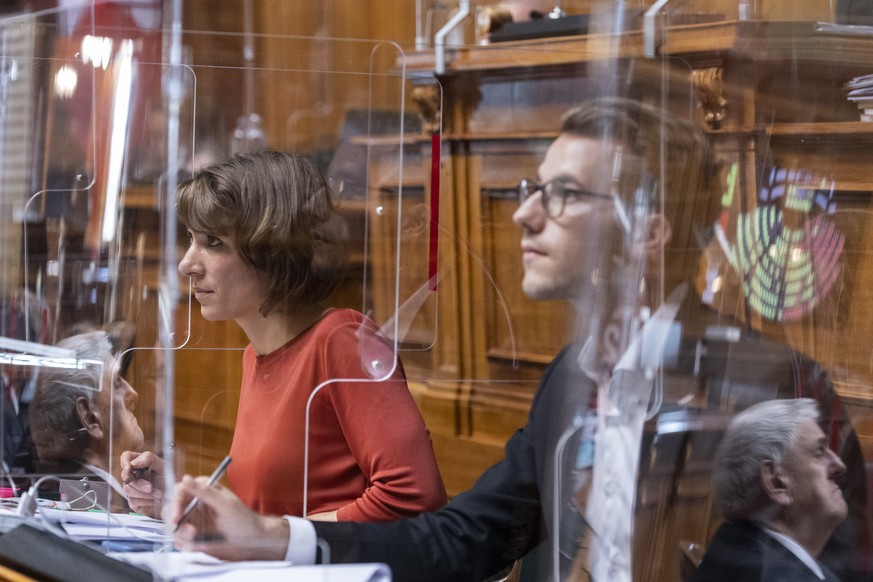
{"x":777,"y":371}
{"x":507,"y":513}
{"x":740,"y":551}
{"x":498,"y":520}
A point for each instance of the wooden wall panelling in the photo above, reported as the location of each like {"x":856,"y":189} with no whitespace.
{"x":795,"y":90}
{"x":208,"y":375}
{"x":856,"y":393}
{"x":431,"y":354}
{"x":473,"y":401}
{"x":447,"y":364}
{"x":490,"y":95}
{"x":445,"y":388}
{"x":296,"y":112}
{"x":492,"y":412}
{"x":519,"y":335}
{"x":674,"y":501}
{"x":464,"y":172}
{"x":306,"y":111}
{"x":462,"y":318}
{"x":535,"y":331}
{"x":219,"y":91}
{"x":393,"y":284}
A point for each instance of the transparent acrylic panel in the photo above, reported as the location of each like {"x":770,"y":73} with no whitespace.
{"x":755,"y":292}
{"x":84,"y":130}
{"x":94,"y":242}
{"x":778,"y":265}
{"x":308,"y":394}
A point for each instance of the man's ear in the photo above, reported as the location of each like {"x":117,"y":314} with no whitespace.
{"x":659,"y":233}
{"x":90,"y":419}
{"x":774,"y":482}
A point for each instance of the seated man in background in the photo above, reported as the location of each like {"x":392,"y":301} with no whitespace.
{"x":81,"y":419}
{"x":776,"y":484}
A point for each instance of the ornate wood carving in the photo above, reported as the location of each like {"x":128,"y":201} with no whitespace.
{"x":427,"y":99}
{"x":709,"y":89}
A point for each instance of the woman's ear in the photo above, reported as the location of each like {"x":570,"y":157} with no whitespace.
{"x":90,"y":419}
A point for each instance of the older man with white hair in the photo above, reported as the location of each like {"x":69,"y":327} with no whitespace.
{"x":776,"y":484}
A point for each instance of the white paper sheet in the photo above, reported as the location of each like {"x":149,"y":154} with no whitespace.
{"x":197,"y":566}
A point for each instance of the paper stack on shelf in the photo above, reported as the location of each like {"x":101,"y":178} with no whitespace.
{"x":861,"y":93}
{"x":844,"y":29}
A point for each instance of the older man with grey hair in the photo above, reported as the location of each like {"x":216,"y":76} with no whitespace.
{"x":82,"y":418}
{"x":776,"y":484}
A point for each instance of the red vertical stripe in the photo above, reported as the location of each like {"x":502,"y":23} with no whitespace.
{"x":435,"y":147}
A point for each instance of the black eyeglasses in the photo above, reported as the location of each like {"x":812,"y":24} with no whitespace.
{"x":556,"y":193}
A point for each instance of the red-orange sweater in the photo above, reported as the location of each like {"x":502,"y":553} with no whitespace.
{"x":371,"y":457}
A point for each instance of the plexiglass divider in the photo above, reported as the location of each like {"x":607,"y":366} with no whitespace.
{"x":751,"y":289}
{"x":81,"y":99}
{"x":105,"y":110}
{"x":747,"y":300}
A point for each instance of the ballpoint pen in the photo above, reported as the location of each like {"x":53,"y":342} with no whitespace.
{"x":213,"y":479}
{"x":135,"y":474}
{"x":140,"y":473}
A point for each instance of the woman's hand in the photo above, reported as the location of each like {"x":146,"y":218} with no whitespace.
{"x":143,"y":481}
{"x":323,"y":516}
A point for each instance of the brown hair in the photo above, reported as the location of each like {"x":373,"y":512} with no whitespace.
{"x":679,"y":157}
{"x":279,"y":210}
{"x":689,"y":170}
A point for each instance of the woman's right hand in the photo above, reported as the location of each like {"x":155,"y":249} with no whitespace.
{"x":143,"y":480}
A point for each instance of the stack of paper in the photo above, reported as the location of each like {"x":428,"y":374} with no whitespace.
{"x":861,"y":93}
{"x":98,"y":525}
{"x":197,"y":567}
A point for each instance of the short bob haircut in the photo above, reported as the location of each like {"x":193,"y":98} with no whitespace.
{"x":766,"y":431}
{"x":279,"y":211}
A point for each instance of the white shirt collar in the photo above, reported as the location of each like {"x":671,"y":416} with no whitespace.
{"x":647,"y":347}
{"x":796,"y":549}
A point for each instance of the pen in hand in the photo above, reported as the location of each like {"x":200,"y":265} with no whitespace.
{"x":213,"y":479}
{"x":136,"y":474}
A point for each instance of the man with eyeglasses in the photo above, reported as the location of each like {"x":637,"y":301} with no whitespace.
{"x":591,"y":229}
